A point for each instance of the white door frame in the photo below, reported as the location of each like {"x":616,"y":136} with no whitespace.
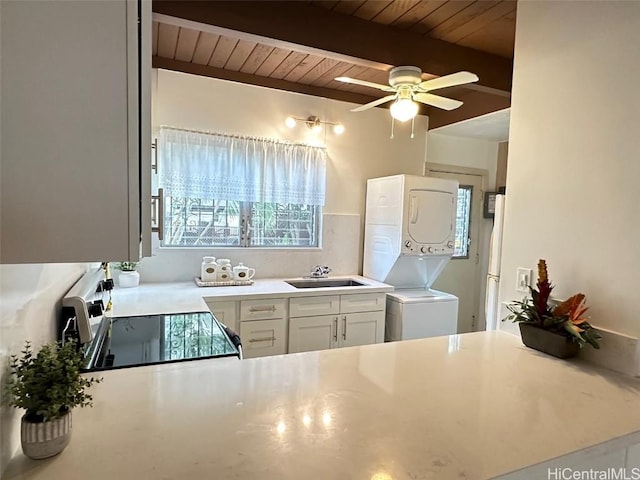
{"x":483,"y":245}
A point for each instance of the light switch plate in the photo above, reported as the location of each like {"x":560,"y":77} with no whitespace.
{"x":523,"y":279}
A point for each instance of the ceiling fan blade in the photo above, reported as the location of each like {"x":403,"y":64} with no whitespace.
{"x":437,"y":101}
{"x":448,"y":81}
{"x":364,"y":83}
{"x":375,"y":103}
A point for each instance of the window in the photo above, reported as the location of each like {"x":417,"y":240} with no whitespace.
{"x":463,"y":220}
{"x":233,"y":191}
{"x":193,"y":222}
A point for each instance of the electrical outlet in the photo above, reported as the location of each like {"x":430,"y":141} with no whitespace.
{"x":523,"y":279}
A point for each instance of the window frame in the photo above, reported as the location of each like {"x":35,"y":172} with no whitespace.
{"x":470,"y":189}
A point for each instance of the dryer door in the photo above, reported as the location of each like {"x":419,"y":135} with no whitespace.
{"x":431,"y":216}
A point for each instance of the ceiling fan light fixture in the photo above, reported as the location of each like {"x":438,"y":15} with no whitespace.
{"x":404,"y":109}
{"x":290,"y":122}
{"x":408,"y":90}
{"x":338,"y":129}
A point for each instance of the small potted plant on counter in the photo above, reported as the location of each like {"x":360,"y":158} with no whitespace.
{"x":48,"y":385}
{"x":128,"y":276}
{"x":557,"y":329}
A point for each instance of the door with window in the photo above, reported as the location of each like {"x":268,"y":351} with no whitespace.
{"x":462,"y":275}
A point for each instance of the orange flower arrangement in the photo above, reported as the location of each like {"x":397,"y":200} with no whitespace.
{"x":568,"y":318}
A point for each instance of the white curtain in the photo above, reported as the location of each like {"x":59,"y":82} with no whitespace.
{"x":222,"y":167}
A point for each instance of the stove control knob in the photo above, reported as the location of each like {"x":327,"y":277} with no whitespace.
{"x":430,"y":249}
{"x":450,"y":244}
{"x":407,"y":244}
{"x":423,"y":249}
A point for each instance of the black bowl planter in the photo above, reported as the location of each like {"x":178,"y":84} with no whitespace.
{"x":548,"y":342}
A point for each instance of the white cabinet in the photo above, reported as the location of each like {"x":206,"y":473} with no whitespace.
{"x":275,"y":326}
{"x":313,"y":333}
{"x":362,"y":302}
{"x":263,"y":327}
{"x":262,"y":309}
{"x":75,"y":88}
{"x":313,"y":306}
{"x":225,"y":312}
{"x":347,"y":321}
{"x":261,"y":338}
{"x":363,"y":328}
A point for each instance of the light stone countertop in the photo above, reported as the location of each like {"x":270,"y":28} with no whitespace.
{"x":470,"y":406}
{"x":180,"y":297}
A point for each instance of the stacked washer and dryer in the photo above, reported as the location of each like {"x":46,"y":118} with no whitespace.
{"x":409,"y":238}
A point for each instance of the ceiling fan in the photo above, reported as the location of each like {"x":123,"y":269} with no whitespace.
{"x":408,"y":87}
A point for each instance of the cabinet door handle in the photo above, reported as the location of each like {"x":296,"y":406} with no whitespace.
{"x":335,"y":324}
{"x":265,"y":339}
{"x":344,"y":327}
{"x":154,"y":162}
{"x":157,"y":213}
{"x":270,"y":308}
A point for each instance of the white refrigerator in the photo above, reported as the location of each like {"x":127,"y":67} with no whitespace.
{"x":492,"y":303}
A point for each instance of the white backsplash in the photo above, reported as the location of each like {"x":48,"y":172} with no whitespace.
{"x":29,"y":310}
{"x":341,"y":251}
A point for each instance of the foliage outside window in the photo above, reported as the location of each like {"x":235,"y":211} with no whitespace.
{"x":223,"y":190}
{"x":191,"y":222}
{"x":193,"y":335}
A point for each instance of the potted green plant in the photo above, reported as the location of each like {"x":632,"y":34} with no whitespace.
{"x":128,"y":276}
{"x":48,"y":385}
{"x":559,"y":329}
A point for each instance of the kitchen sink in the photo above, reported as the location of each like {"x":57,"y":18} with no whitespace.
{"x":324,"y":282}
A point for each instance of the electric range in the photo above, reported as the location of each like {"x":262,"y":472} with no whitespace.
{"x":131,"y":341}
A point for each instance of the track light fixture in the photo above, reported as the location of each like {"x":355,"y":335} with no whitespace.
{"x":314,"y":123}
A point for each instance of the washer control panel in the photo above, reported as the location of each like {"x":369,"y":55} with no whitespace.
{"x":440,"y":249}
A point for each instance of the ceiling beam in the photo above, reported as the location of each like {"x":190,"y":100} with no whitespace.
{"x":241,"y":77}
{"x":304,"y":24}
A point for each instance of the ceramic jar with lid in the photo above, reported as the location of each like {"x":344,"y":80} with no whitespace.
{"x":209,"y":269}
{"x":225,"y":272}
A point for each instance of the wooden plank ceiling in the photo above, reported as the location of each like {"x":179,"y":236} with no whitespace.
{"x":189,"y":37}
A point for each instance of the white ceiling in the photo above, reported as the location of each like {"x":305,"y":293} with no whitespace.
{"x":492,"y":126}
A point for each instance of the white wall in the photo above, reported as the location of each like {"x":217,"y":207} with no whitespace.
{"x":574,"y":155}
{"x":464,"y":152}
{"x":471,"y":153}
{"x":363,"y":151}
{"x":29,"y":310}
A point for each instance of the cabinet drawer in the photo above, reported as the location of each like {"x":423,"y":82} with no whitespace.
{"x":225,"y":312}
{"x":262,"y":309}
{"x":313,"y":306}
{"x":362,"y":302}
{"x":261,"y":338}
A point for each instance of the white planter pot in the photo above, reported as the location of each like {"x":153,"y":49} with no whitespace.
{"x":129,"y":279}
{"x":45,"y":439}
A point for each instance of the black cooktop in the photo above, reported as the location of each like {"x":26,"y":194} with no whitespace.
{"x":152,"y":339}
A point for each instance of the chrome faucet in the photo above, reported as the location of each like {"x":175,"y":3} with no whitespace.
{"x":320,"y":271}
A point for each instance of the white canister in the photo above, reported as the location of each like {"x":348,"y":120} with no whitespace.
{"x":209,"y":269}
{"x":225,"y":273}
{"x":240,"y":272}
